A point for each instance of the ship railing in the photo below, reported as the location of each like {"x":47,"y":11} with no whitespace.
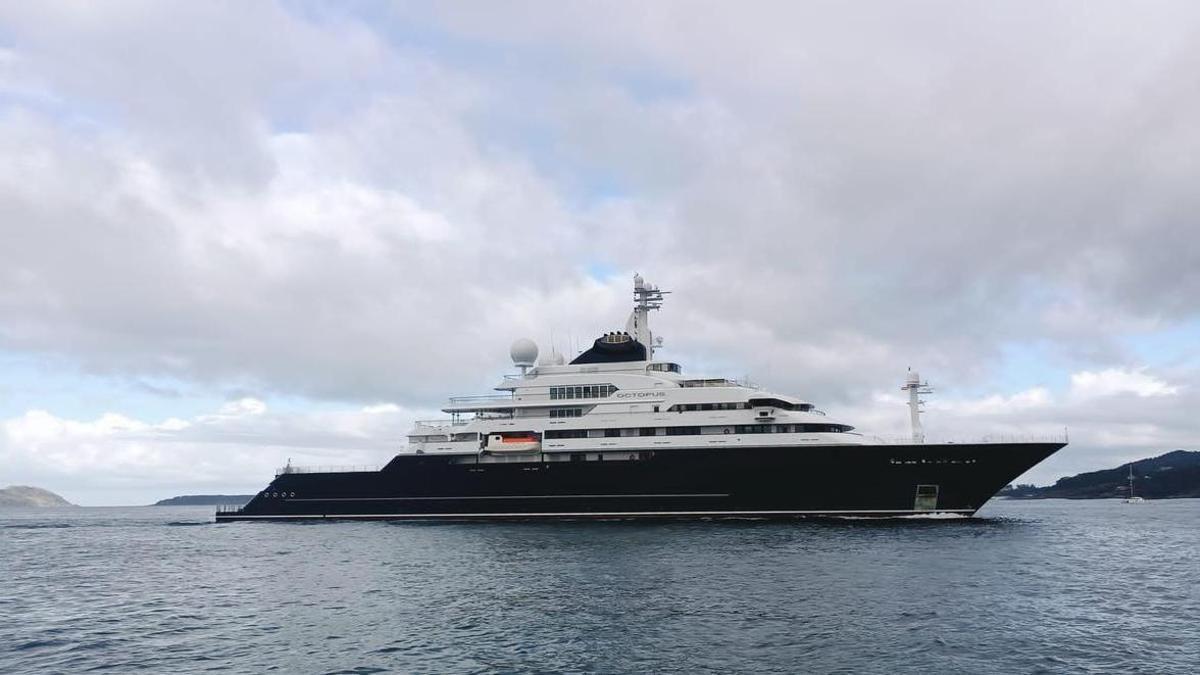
{"x":484,"y":398}
{"x":986,"y":439}
{"x":440,"y":424}
{"x":718,"y":382}
{"x":359,"y":468}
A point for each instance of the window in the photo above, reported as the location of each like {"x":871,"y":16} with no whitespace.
{"x":697,"y":431}
{"x":566,"y":412}
{"x":823,"y":428}
{"x":582,"y":391}
{"x":708,"y":406}
{"x":566,"y":433}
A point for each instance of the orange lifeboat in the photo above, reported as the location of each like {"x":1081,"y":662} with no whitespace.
{"x":514,"y":442}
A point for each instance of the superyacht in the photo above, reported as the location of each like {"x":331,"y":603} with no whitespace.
{"x":618,"y":433}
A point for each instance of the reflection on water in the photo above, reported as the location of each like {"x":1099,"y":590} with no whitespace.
{"x":1047,"y":586}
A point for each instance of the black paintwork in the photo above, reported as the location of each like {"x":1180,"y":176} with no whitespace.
{"x":602,"y":351}
{"x":718,"y":482}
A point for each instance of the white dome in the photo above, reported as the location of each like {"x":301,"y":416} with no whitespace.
{"x":524,"y":352}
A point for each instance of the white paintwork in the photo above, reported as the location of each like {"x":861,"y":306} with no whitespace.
{"x":915,"y":387}
{"x":645,"y":392}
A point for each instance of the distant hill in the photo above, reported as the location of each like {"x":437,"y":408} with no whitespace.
{"x":204,"y":500}
{"x":1175,"y":474}
{"x":24,"y":495}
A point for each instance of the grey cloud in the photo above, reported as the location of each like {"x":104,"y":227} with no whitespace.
{"x":834,"y":192}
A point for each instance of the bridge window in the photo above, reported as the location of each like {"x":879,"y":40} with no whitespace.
{"x":778,"y":403}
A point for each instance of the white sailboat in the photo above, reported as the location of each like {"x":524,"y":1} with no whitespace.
{"x":1132,"y":498}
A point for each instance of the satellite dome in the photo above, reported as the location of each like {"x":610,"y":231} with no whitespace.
{"x":524,"y":352}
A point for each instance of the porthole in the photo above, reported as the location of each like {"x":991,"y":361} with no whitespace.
{"x":293,"y":494}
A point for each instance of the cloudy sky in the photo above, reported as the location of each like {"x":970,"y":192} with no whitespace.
{"x":233,"y":233}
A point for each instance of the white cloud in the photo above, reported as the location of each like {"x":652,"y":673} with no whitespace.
{"x":242,"y":407}
{"x":116,"y":459}
{"x":1116,"y":381}
{"x":997,"y":404}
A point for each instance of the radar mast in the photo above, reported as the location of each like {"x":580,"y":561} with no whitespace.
{"x":915,"y":387}
{"x":645,"y":298}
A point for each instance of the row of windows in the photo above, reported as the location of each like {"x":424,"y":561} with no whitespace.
{"x":680,"y":407}
{"x":794,"y":429}
{"x":696,"y":431}
{"x":566,"y":433}
{"x":566,"y":412}
{"x":585,"y":391}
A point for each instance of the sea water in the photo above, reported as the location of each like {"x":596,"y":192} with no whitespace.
{"x":1042,"y":586}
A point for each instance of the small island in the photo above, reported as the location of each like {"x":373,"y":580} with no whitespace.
{"x":204,"y":500}
{"x":1170,"y":476}
{"x":26,"y":496}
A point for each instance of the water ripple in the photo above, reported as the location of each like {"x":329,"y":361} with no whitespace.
{"x":1042,"y":587}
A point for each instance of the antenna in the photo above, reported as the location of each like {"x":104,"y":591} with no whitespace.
{"x":645,"y":298}
{"x":915,"y":387}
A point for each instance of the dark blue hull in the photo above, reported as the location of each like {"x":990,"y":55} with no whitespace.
{"x":762,"y":482}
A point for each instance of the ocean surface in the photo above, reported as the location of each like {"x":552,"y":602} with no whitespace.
{"x":1026,"y":587}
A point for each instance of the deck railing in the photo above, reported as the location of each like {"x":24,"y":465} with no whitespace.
{"x":360,"y":468}
{"x":987,"y":439}
{"x":484,"y":398}
{"x":437,"y":424}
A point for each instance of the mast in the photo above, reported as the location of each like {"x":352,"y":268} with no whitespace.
{"x":1131,"y":480}
{"x":645,"y":298}
{"x":915,"y":387}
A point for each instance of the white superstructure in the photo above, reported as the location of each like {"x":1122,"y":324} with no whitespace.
{"x":616,"y":400}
